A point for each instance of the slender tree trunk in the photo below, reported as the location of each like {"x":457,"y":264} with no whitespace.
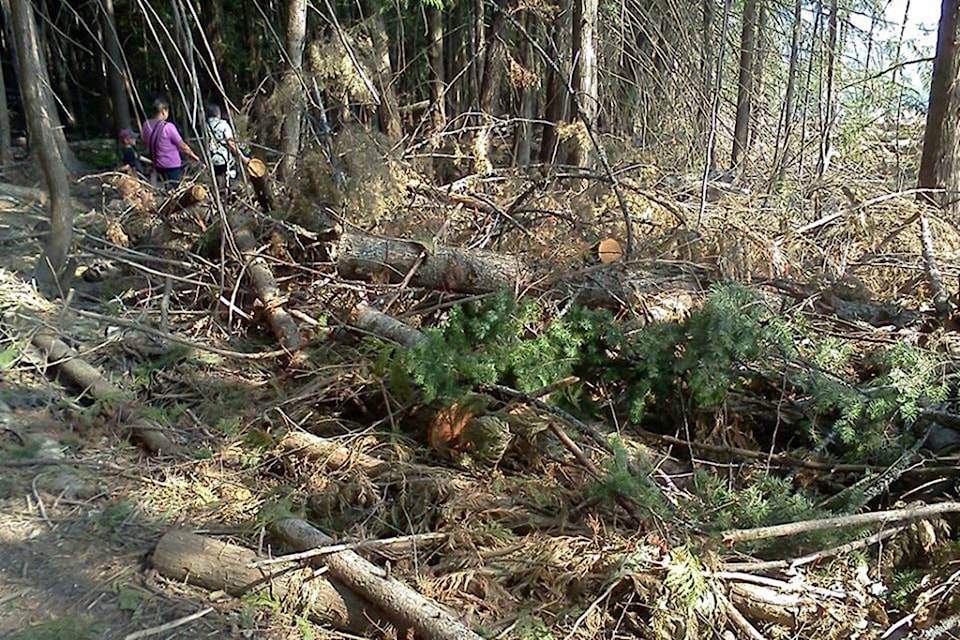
{"x":293,"y":87}
{"x":388,"y":111}
{"x":524,"y":132}
{"x":43,"y":122}
{"x":780,"y":163}
{"x":556,"y":99}
{"x":706,"y":71}
{"x":436,"y":58}
{"x":6,"y":149}
{"x":811,"y":64}
{"x":212,"y":19}
{"x":251,"y":34}
{"x":477,"y":35}
{"x":748,"y":36}
{"x":940,"y":161}
{"x":41,"y":77}
{"x":115,"y":66}
{"x":829,"y":109}
{"x":759,"y":60}
{"x":490,"y":88}
{"x":584,"y":64}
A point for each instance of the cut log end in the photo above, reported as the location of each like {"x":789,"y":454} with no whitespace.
{"x":257,"y":169}
{"x":609,"y":250}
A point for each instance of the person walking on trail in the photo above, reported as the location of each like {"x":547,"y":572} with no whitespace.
{"x":222,"y":145}
{"x":164,"y":144}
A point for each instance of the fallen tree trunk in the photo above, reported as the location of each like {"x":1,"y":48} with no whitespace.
{"x":366,"y":257}
{"x":91,"y":382}
{"x":219,"y":566}
{"x":259,"y":177}
{"x":664,"y":293}
{"x":31,"y":195}
{"x":405,"y":607}
{"x":265,"y":285}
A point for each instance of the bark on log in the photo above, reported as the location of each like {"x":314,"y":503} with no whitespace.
{"x":941,"y":299}
{"x":265,"y":285}
{"x":91,"y":382}
{"x":664,"y":293}
{"x":194,"y":194}
{"x":31,"y":195}
{"x":405,"y":607}
{"x":259,"y":178}
{"x":380,"y":324}
{"x":219,"y":566}
{"x":367,"y":257}
{"x":332,"y":454}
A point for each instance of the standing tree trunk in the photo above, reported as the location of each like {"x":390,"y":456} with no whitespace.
{"x":706,"y":71}
{"x":584,"y":63}
{"x":41,"y":77}
{"x":940,"y":162}
{"x":741,"y":131}
{"x":556,"y":99}
{"x":780,"y":162}
{"x":759,"y":60}
{"x":435,"y":57}
{"x":6,"y":150}
{"x":829,"y":109}
{"x":293,"y":86}
{"x":212,"y":19}
{"x":522,"y":141}
{"x":490,"y":88}
{"x":115,"y":65}
{"x":42,"y":122}
{"x":388,"y":110}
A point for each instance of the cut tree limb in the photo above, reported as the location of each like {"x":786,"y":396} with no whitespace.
{"x":941,"y":299}
{"x":405,"y":607}
{"x":219,"y":566}
{"x":91,"y":382}
{"x":894,"y":516}
{"x":380,"y":324}
{"x":265,"y":285}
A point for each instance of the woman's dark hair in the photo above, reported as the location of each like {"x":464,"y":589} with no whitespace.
{"x":158,"y":105}
{"x":212,"y":110}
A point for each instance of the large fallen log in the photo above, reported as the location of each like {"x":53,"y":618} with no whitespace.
{"x":367,"y":257}
{"x":219,"y":566}
{"x":405,"y":607}
{"x":664,"y":292}
{"x":282,"y":324}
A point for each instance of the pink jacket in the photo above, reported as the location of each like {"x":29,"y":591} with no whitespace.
{"x":163,"y":143}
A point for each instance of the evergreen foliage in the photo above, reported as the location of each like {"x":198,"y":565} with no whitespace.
{"x":734,"y":341}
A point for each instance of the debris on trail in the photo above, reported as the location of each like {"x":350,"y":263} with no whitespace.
{"x":504,"y":425}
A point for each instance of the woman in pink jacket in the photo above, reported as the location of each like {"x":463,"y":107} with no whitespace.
{"x":164,"y":144}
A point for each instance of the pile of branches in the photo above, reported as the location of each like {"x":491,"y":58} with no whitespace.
{"x":591,"y":431}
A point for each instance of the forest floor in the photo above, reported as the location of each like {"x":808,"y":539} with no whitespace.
{"x":527,"y":547}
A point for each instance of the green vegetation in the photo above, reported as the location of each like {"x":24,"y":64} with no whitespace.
{"x":733,"y":344}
